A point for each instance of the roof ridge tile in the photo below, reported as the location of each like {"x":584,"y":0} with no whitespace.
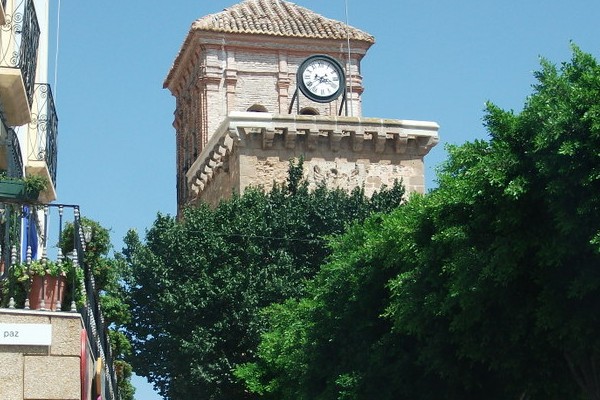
{"x":278,"y":18}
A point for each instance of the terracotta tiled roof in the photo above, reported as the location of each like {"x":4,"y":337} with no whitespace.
{"x":277,"y":18}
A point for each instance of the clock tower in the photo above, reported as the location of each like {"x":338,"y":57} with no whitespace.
{"x":266,"y":81}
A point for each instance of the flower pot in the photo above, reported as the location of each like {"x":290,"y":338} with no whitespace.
{"x":12,"y":191}
{"x":48,"y":288}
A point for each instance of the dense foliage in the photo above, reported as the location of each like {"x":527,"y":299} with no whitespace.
{"x":109,"y":274}
{"x":198,"y":283}
{"x":486,"y":288}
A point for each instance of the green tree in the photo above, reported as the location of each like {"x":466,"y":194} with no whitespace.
{"x":518,"y":220}
{"x":198,"y":283}
{"x":316,"y":346}
{"x":109,"y":273}
{"x":487,"y":287}
{"x":334,"y":343}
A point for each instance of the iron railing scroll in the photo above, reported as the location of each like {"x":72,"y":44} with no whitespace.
{"x":44,"y":122}
{"x":20,"y":48}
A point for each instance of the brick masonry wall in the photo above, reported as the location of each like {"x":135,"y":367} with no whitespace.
{"x":230,"y":77}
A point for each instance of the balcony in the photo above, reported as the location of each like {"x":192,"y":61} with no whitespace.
{"x":74,"y":360}
{"x":42,"y":133}
{"x":19,"y":39}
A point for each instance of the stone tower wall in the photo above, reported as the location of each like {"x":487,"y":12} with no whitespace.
{"x":245,"y":58}
{"x":254,"y":149}
{"x":225,"y":74}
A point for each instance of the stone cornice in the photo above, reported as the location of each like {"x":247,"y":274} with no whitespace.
{"x":371,"y":135}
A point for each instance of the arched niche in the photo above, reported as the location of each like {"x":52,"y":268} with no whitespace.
{"x":309,"y":111}
{"x":257,"y":108}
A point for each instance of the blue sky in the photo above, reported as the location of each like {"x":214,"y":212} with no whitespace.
{"x":433,"y":60}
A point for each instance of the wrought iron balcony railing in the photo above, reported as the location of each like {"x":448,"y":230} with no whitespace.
{"x":19,"y":218}
{"x":15,"y":166}
{"x":20,"y":39}
{"x":43,"y":129}
{"x":92,"y":314}
{"x":14,"y":160}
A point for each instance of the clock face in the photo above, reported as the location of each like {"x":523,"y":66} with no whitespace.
{"x":321,"y":78}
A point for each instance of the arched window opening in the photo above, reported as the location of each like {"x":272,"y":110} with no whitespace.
{"x":257,"y":108}
{"x":309,"y":111}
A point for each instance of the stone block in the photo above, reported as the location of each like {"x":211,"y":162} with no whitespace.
{"x":52,"y":378}
{"x":11,"y":376}
{"x":66,"y":334}
{"x":25,"y":317}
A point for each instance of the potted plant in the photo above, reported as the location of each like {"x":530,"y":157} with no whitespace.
{"x":34,"y":185}
{"x":18,"y":190}
{"x":45,"y":282}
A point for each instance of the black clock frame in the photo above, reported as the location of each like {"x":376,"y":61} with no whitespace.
{"x":321,"y":99}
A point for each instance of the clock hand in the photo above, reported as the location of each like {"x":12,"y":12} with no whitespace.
{"x":327,"y":80}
